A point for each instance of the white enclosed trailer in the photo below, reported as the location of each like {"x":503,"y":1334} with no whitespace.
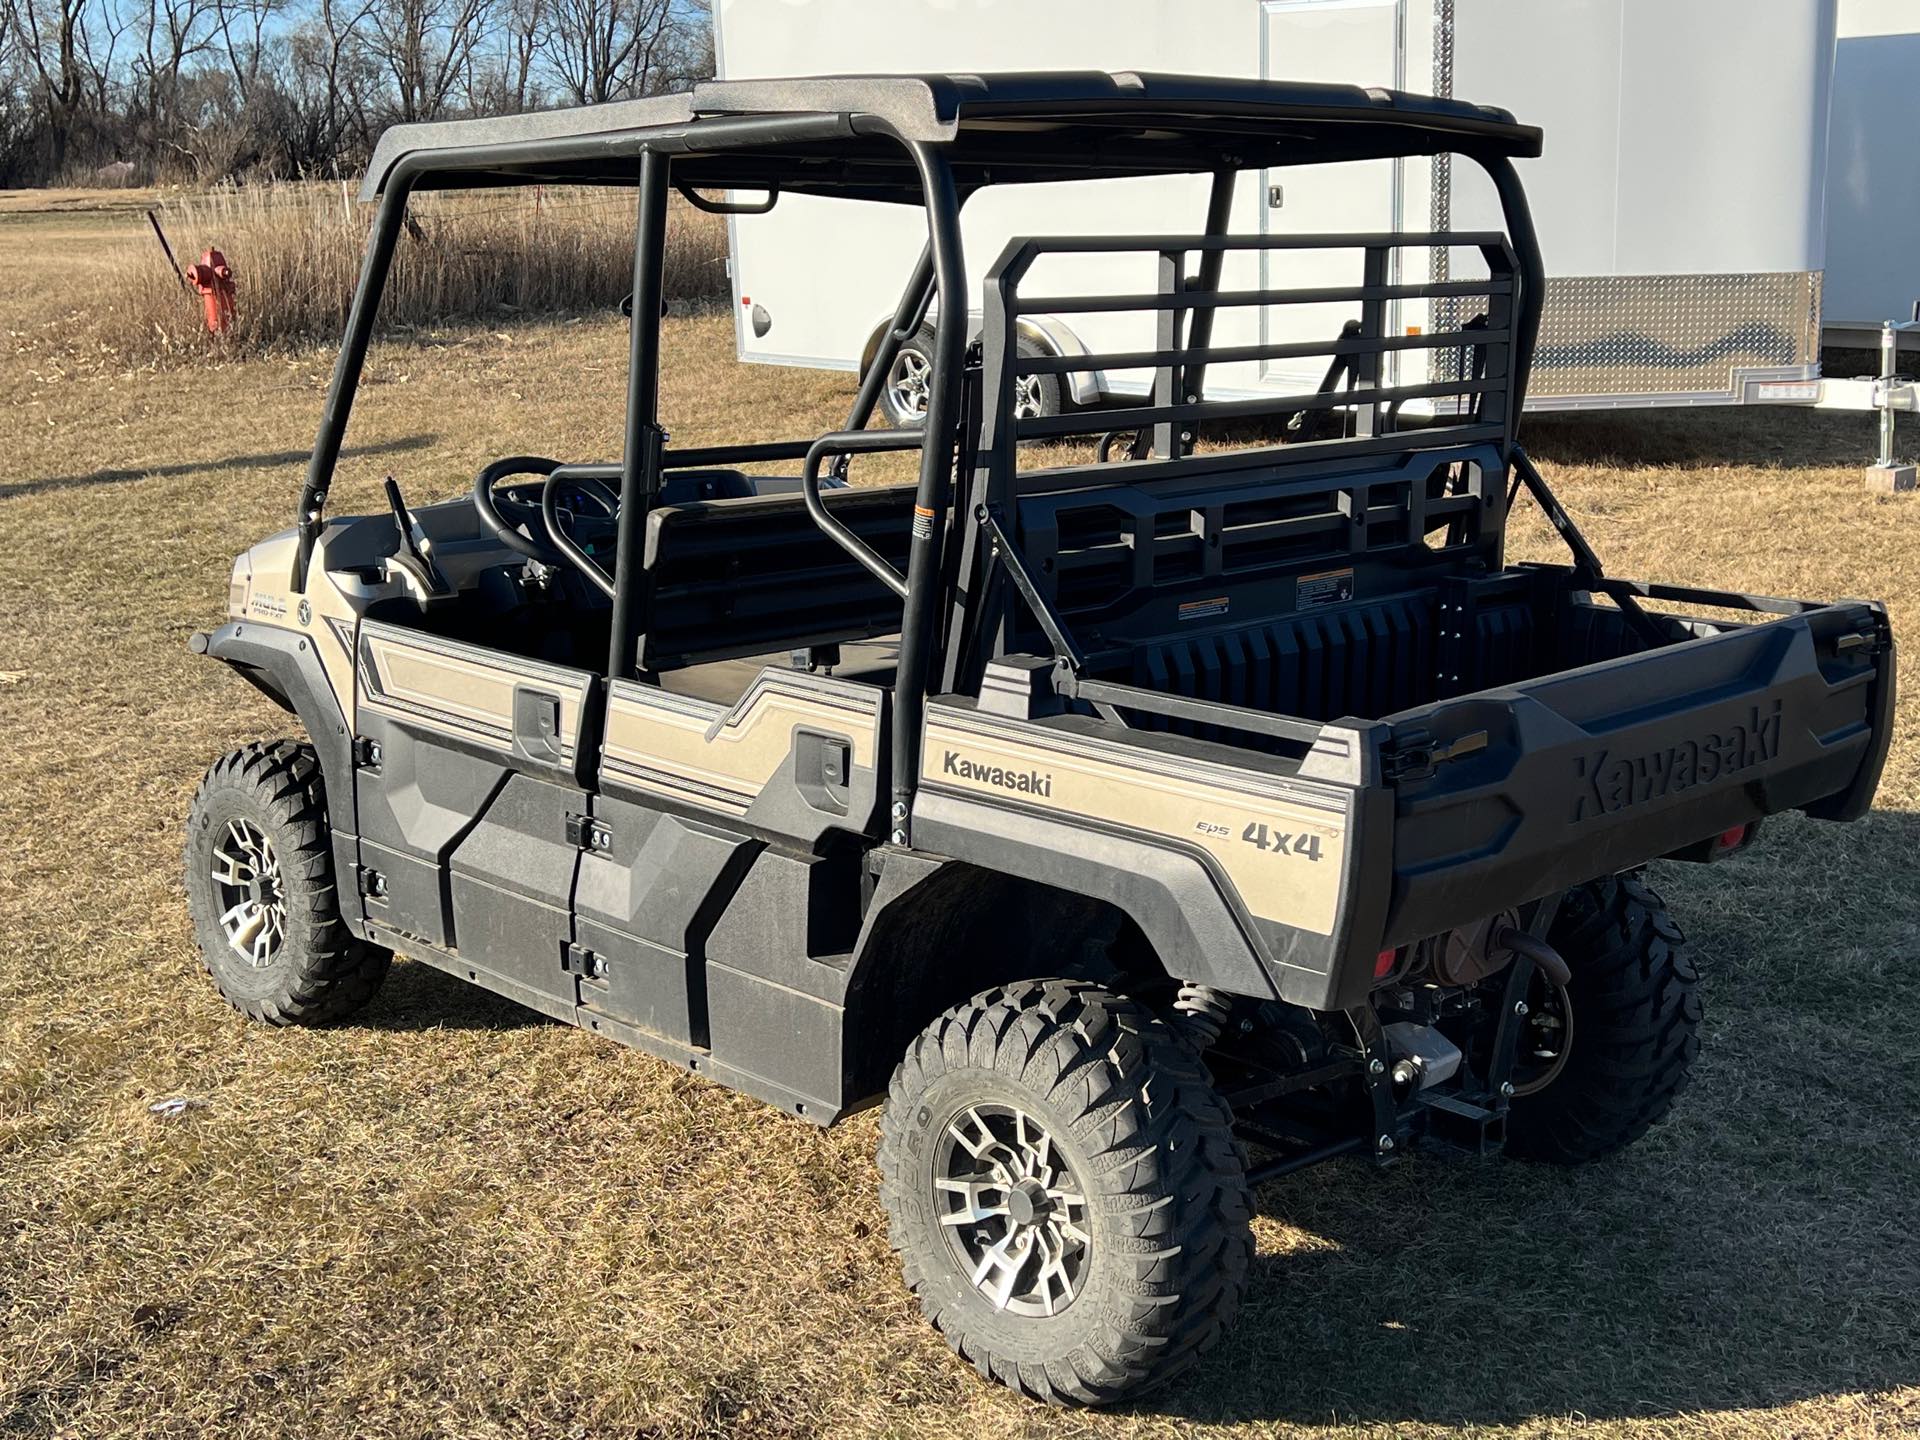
{"x":1679,"y":201}
{"x":1873,"y":172}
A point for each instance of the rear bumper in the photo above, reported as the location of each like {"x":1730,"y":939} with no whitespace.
{"x":1598,"y":769}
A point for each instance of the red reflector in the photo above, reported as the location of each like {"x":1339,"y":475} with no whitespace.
{"x":1730,"y":838}
{"x":746,"y":300}
{"x":1383,"y":964}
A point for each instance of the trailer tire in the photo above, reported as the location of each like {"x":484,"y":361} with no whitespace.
{"x":261,"y":812}
{"x":1070,"y":1090}
{"x":1634,"y":1005}
{"x":903,"y":399}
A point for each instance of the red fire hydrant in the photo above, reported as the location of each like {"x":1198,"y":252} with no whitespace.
{"x":214,"y":281}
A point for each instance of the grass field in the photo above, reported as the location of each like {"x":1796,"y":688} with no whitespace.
{"x":450,"y":1218}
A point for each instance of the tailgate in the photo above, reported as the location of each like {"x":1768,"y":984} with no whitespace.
{"x":1598,"y":769}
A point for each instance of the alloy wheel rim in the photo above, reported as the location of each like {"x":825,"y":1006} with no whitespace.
{"x":251,"y":893}
{"x":907,"y":383}
{"x":1013,"y":1210}
{"x":1026,"y":397}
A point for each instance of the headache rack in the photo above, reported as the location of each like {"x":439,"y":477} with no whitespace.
{"x":1292,"y":485}
{"x":1353,"y":393}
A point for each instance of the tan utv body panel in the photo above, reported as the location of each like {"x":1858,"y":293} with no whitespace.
{"x":698,"y":752}
{"x":260,"y":594}
{"x":1192,"y":803}
{"x":464,"y":692}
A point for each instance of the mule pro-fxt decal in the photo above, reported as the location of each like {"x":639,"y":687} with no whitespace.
{"x":1280,"y":842}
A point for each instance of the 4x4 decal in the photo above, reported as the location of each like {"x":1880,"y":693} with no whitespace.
{"x":1615,"y":782}
{"x":1280,"y":842}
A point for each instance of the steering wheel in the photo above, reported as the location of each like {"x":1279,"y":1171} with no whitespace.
{"x":513,"y":514}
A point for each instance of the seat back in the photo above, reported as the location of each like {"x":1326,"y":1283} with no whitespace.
{"x":746,"y":576}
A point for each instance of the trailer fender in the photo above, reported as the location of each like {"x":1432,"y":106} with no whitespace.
{"x":1051,"y":334}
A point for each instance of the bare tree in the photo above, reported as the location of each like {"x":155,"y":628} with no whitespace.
{"x":600,"y":50}
{"x":242,"y":26}
{"x":169,"y":34}
{"x":242,"y":87}
{"x":51,"y":37}
{"x":426,"y":47}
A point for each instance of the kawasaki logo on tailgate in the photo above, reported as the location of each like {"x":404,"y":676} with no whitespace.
{"x":1613,"y":782}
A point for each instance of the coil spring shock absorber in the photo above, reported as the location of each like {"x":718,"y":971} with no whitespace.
{"x":1203,"y":1010}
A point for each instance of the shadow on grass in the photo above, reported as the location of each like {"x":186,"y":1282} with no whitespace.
{"x":193,"y":467}
{"x":1754,"y":437}
{"x":416,"y":996}
{"x":1753,"y":1251}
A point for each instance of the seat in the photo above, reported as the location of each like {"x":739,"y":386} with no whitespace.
{"x":723,"y":682}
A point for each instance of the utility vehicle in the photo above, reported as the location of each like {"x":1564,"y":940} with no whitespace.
{"x":1142,"y":804}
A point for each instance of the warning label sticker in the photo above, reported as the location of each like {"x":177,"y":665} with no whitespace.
{"x":1329,"y":587}
{"x":1202,"y":609}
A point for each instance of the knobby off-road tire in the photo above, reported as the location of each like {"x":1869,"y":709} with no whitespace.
{"x":1120,"y":1107}
{"x":1635,"y":1009}
{"x":261,"y":812}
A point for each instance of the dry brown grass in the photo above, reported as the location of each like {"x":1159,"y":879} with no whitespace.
{"x":295,"y":253}
{"x":452,"y":1219}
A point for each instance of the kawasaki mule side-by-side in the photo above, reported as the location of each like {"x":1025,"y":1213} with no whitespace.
{"x":1144,"y":803}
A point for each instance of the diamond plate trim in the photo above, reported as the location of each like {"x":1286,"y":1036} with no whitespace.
{"x":1664,"y":334}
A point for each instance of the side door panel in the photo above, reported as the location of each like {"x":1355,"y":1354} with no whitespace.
{"x":688,"y":908}
{"x":797,"y":754}
{"x":467,"y":776}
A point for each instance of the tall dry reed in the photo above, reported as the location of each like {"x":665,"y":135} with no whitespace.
{"x":295,"y":252}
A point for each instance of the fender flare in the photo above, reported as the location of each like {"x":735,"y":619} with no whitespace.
{"x":286,"y":665}
{"x":1181,"y":909}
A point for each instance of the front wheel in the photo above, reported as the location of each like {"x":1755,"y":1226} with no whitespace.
{"x":1065,"y":1192}
{"x":263,"y":895}
{"x":1602,"y":1061}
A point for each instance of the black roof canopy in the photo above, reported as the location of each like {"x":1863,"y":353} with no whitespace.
{"x":842,"y":135}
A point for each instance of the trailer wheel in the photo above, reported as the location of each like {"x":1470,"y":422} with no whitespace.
{"x":261,"y":890}
{"x":1602,"y":1061}
{"x":1065,"y":1192}
{"x":903,"y":399}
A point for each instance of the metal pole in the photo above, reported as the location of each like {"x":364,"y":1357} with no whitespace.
{"x":1889,"y":372}
{"x":640,"y":461}
{"x":346,"y":369}
{"x":1533,"y":281}
{"x":936,"y":475}
{"x":1219,"y":209}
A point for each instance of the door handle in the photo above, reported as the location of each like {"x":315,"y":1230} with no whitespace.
{"x":536,"y":725}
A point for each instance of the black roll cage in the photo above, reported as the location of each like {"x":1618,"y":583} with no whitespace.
{"x":939,"y":276}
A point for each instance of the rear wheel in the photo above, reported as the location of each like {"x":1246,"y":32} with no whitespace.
{"x":1065,"y":1191}
{"x":262,"y":892}
{"x":1602,"y":1061}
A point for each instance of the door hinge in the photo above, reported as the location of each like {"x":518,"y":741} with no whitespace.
{"x":372,"y":884}
{"x":587,"y":833}
{"x":366,"y":753}
{"x":577,"y":959}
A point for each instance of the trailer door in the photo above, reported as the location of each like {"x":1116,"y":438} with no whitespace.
{"x":1343,"y":42}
